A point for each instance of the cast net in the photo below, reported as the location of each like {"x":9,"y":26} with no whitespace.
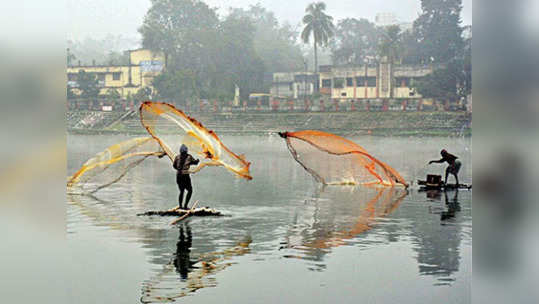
{"x":171,"y":128}
{"x":331,"y":159}
{"x":111,"y":165}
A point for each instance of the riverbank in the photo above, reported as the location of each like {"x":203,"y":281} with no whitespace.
{"x":372,"y":123}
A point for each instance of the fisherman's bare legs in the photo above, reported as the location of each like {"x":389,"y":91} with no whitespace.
{"x":457,"y":179}
{"x":454,"y":174}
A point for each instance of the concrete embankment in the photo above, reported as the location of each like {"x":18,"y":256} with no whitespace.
{"x":375,"y":123}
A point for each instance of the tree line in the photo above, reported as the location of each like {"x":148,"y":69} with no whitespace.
{"x":207,"y":55}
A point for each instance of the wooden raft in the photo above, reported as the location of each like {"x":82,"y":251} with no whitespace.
{"x":201,"y":211}
{"x":434,"y":182}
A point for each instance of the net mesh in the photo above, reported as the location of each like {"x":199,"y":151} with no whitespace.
{"x":331,"y":159}
{"x":111,"y":165}
{"x":171,"y":128}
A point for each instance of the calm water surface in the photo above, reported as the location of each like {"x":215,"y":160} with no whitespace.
{"x":284,"y":239}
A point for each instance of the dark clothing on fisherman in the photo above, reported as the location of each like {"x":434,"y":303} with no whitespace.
{"x":181,"y":164}
{"x":184,"y":169}
{"x":454,"y":164}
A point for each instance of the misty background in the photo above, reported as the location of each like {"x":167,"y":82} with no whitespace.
{"x":100,"y":18}
{"x":113,"y":25}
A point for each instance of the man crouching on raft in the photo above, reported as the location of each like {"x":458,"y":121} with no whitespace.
{"x":454,"y":165}
{"x":181,"y":164}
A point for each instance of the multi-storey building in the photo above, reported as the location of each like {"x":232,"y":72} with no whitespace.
{"x":381,"y":81}
{"x":143,"y":66}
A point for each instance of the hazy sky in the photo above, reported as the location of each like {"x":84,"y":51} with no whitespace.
{"x":97,"y":18}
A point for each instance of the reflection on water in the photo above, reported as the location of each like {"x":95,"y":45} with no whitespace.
{"x":438,"y":241}
{"x":452,"y":205}
{"x":181,"y":273}
{"x":191,"y":273}
{"x":346,"y":216}
{"x":280,"y":217}
{"x":182,"y":261}
{"x":336,"y":216}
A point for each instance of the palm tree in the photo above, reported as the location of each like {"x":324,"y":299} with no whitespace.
{"x":319,"y":25}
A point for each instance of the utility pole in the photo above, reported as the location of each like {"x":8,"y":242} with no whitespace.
{"x":304,"y":81}
{"x":277,"y":82}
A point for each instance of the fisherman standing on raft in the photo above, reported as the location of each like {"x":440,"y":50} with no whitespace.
{"x":181,"y":164}
{"x":454,"y":165}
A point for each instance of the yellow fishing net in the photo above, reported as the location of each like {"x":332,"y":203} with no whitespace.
{"x":331,"y":159}
{"x":109,"y":166}
{"x":172,"y":128}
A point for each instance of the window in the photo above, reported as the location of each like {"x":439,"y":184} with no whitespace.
{"x":402,"y":82}
{"x":326,"y":83}
{"x":291,"y":86}
{"x":72,"y":77}
{"x":116,"y":75}
{"x":349,"y":82}
{"x":371,"y":81}
{"x":338,"y":83}
{"x":101,"y":77}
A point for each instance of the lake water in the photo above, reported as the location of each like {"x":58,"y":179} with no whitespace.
{"x":283,"y":239}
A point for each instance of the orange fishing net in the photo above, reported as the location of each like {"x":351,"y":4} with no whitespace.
{"x":331,"y":159}
{"x":172,"y":128}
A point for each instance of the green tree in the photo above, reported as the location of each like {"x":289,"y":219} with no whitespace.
{"x":274,"y":43}
{"x":464,"y":59}
{"x":390,"y":43}
{"x":319,"y":25}
{"x":410,"y":53}
{"x":451,"y":81}
{"x":440,"y":84}
{"x":88,"y":84}
{"x":438,"y":30}
{"x":238,"y":61}
{"x":354,"y":41}
{"x":87,"y":50}
{"x":113,"y":95}
{"x":182,"y":29}
{"x":117,"y":58}
{"x":440,"y":42}
{"x":143,"y":94}
{"x":176,"y":86}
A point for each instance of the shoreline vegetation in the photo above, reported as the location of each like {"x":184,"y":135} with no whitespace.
{"x":455,"y":124}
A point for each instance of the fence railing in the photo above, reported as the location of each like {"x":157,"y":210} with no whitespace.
{"x":276,"y":105}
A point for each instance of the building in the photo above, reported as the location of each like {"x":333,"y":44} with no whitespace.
{"x":293,"y":85}
{"x":380,"y":86}
{"x":381,"y":81}
{"x":143,"y":66}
